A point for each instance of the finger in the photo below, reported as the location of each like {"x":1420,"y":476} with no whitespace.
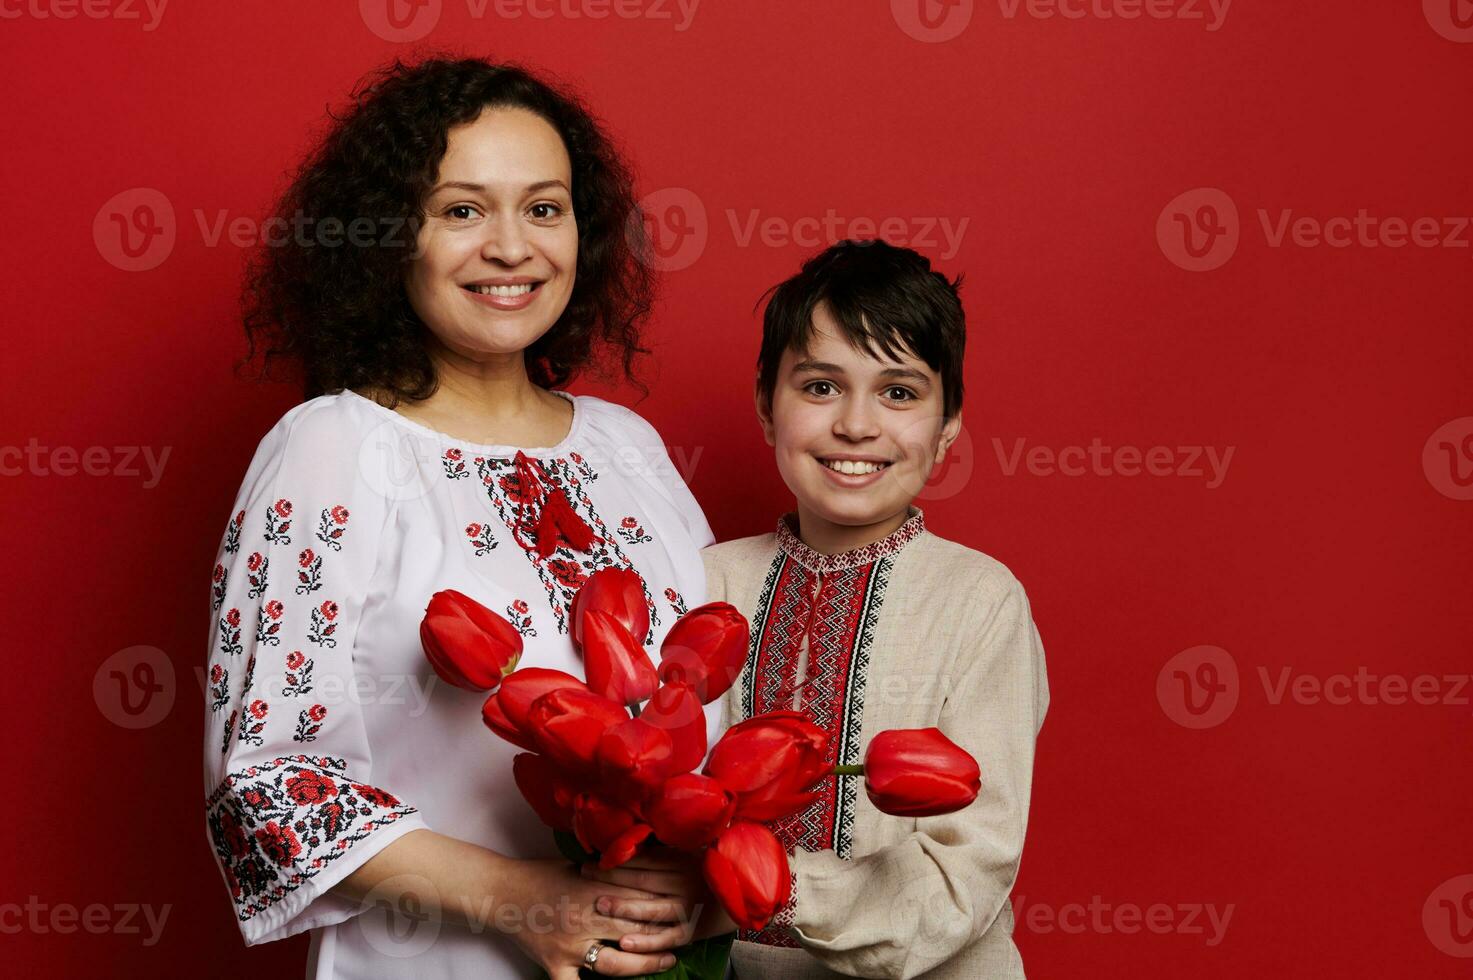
{"x":611,"y":926}
{"x":615,"y":962}
{"x":669,"y":937}
{"x":643,"y":909}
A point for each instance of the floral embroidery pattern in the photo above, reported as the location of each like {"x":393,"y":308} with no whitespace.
{"x":332,"y":525}
{"x":230,"y":633}
{"x":521,"y":620}
{"x":565,"y":570}
{"x":268,"y":622}
{"x":324,"y":624}
{"x":631,"y":532}
{"x":298,"y":674}
{"x":257,"y":567}
{"x":480,"y":535}
{"x":229,"y":729}
{"x":309,"y":723}
{"x":217,"y":587}
{"x":219,"y":687}
{"x":232,"y":533}
{"x":309,"y":571}
{"x":278,"y":522}
{"x":677,"y":602}
{"x":250,"y":674}
{"x":253,"y":722}
{"x":454,"y":464}
{"x":277,"y":824}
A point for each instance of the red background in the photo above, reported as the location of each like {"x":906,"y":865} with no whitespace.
{"x":1327,"y":547}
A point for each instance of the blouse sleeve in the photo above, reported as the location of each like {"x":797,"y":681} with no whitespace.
{"x":904,"y":909}
{"x":291,"y":805}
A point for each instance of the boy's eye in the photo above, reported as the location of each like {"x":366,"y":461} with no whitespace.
{"x":899,"y":393}
{"x":820,"y":388}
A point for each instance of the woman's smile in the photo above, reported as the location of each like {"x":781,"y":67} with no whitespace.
{"x":509,"y":293}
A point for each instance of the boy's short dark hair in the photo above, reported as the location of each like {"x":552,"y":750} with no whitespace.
{"x":885,"y":299}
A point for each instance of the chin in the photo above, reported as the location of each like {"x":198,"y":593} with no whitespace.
{"x":848,"y":513}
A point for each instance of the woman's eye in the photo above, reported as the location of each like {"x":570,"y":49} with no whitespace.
{"x":454,"y":212}
{"x":549,"y":211}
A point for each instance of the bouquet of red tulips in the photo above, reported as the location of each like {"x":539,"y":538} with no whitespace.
{"x":610,"y":760}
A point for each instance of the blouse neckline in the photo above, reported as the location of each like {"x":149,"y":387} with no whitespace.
{"x":789,"y":542}
{"x":562,"y":448}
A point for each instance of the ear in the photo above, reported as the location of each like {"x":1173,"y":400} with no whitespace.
{"x":764,"y":414}
{"x":950,"y":430}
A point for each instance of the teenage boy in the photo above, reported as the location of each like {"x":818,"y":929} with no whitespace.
{"x":864,"y":620}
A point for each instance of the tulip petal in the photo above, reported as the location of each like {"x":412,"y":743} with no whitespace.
{"x":616,"y":665}
{"x":676,"y":709}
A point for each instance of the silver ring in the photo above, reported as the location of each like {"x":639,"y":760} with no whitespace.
{"x":591,"y":957}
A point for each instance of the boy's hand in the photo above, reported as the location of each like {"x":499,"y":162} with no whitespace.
{"x":682,"y":896}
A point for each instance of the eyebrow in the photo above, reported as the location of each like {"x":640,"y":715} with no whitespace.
{"x":824,"y":367}
{"x":463,"y":185}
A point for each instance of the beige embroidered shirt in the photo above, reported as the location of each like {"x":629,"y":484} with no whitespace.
{"x":912,"y":631}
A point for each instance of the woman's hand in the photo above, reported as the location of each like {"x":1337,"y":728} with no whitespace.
{"x":560,"y":921}
{"x":677,"y":895}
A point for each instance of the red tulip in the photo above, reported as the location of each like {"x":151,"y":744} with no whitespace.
{"x":747,"y":870}
{"x":618,"y":592}
{"x":614,"y":831}
{"x":919,"y":772}
{"x":676,"y":709}
{"x":567,"y":724}
{"x":494,"y":717}
{"x":545,"y":789}
{"x":689,"y":811}
{"x":706,"y":649}
{"x":505,"y":712}
{"x":469,"y":646}
{"x":770,"y":762}
{"x":616,"y":665}
{"x":634,"y":751}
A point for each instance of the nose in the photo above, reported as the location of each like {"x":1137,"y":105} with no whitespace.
{"x":506,"y":240}
{"x":856,"y":420}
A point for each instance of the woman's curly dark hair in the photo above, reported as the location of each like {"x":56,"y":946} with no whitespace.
{"x":337,"y":308}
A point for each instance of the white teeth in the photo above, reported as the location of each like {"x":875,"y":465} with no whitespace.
{"x":851,"y":467}
{"x":505,"y":291}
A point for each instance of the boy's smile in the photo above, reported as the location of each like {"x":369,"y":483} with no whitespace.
{"x":856,"y":436}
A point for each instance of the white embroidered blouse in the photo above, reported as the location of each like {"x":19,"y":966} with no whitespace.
{"x":327,"y":735}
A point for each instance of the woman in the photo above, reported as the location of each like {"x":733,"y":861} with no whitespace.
{"x":494,"y":257}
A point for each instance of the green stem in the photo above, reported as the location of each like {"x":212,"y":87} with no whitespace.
{"x":848,"y":770}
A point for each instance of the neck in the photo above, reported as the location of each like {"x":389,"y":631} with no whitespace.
{"x":489,"y":388}
{"x":828,"y":538}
